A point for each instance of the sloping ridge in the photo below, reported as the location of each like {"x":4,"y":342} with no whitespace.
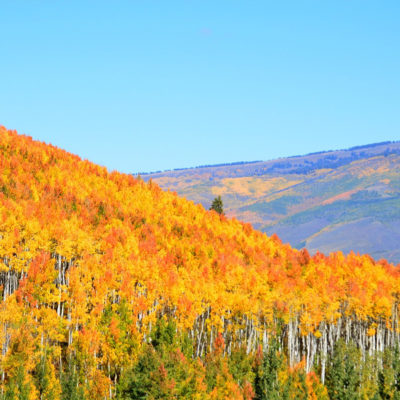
{"x":90,"y":259}
{"x":312,"y":201}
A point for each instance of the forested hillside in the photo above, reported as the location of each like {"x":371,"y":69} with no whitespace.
{"x":336,"y":200}
{"x":113,"y":288}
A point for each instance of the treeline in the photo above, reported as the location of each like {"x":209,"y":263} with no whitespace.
{"x":201,"y":166}
{"x":328,"y":161}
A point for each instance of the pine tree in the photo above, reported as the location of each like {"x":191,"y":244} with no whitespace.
{"x":217,"y":205}
{"x":389,"y":376}
{"x":71,"y":389}
{"x":343,"y":375}
{"x":240,"y":365}
{"x":266,"y":381}
{"x":18,"y":388}
{"x":164,"y":369}
{"x":137,"y":382}
{"x":43,"y":380}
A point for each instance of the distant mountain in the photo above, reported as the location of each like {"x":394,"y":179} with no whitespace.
{"x":332,"y":200}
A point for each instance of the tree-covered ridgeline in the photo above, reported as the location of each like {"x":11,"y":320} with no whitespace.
{"x":92,"y":262}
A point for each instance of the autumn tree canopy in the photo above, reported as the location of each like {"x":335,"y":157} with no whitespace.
{"x":92,"y":261}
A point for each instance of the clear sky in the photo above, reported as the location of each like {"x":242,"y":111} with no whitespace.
{"x":150,"y":85}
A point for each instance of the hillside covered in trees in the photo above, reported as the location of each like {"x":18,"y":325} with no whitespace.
{"x":114,"y":289}
{"x":345,"y":200}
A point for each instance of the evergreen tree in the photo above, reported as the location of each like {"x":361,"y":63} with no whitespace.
{"x":137,"y":382}
{"x":266,"y":383}
{"x":240,"y":365}
{"x":164,"y":369}
{"x":396,"y":372}
{"x":164,"y":335}
{"x":217,"y":205}
{"x":343,"y":374}
{"x":43,"y":380}
{"x":70,"y":385}
{"x":18,"y":388}
{"x":389,"y":376}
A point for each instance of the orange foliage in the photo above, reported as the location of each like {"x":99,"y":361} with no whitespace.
{"x":79,"y":240}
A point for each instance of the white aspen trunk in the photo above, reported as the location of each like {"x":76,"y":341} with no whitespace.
{"x":324,"y":352}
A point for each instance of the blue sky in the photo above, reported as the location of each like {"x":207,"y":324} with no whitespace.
{"x":152,"y":85}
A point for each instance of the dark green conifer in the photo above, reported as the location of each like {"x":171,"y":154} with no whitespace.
{"x":343,"y":375}
{"x":217,"y":205}
{"x":71,"y":389}
{"x":42,"y":381}
{"x":161,"y":371}
{"x":17,"y":387}
{"x":266,"y":383}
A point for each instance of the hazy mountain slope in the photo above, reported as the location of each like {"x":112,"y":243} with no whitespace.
{"x":336,"y":200}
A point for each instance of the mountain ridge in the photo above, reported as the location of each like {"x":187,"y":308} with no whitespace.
{"x":270,"y":194}
{"x":360,"y":147}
